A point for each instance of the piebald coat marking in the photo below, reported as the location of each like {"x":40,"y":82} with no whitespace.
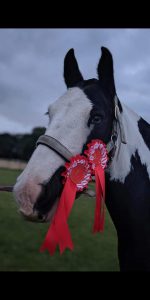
{"x":121,"y":164}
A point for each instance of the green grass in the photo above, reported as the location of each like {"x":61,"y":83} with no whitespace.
{"x":20,"y":240}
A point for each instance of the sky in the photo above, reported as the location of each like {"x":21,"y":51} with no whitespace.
{"x":31,"y":70}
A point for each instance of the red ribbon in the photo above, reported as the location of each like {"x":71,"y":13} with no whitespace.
{"x":58,"y":233}
{"x":97,"y":156}
{"x":100,"y":200}
{"x":78,"y":174}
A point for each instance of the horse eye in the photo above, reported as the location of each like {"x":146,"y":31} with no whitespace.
{"x":47,"y":113}
{"x":96,"y":119}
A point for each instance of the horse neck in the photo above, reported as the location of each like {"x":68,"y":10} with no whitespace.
{"x":128,"y":193}
{"x":120,"y":166}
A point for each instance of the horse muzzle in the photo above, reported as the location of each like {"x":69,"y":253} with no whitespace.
{"x":32,"y":217}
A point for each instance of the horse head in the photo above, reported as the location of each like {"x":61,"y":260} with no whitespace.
{"x":85,"y":112}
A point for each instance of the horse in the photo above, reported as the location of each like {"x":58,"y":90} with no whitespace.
{"x":91,"y":109}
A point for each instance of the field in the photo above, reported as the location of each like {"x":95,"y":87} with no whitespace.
{"x":20,"y":240}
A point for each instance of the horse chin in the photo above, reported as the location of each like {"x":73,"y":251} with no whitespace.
{"x":34,"y":216}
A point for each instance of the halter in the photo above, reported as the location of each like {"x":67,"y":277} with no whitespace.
{"x":62,"y":151}
{"x":78,"y":173}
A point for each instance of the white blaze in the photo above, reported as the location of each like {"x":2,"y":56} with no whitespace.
{"x":68,"y":124}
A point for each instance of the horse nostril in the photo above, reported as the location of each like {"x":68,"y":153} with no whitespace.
{"x":40,"y":217}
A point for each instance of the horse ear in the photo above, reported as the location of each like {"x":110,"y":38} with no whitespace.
{"x":72,"y":74}
{"x":105,"y":71}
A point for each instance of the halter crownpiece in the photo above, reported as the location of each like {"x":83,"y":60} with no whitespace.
{"x":118,"y":118}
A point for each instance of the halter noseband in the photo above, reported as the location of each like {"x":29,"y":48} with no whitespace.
{"x":62,"y":151}
{"x":55,"y":145}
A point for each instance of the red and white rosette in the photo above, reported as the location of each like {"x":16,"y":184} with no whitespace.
{"x":97,"y":157}
{"x":77,"y":177}
{"x":97,"y":154}
{"x":79,"y":171}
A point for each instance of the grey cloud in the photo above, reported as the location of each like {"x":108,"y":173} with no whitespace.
{"x":31,"y":69}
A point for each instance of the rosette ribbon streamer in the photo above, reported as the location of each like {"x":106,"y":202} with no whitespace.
{"x":97,"y":157}
{"x":77,"y":177}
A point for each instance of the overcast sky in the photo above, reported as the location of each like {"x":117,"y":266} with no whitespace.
{"x":31,"y":70}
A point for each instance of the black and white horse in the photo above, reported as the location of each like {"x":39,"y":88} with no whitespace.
{"x":87,"y":111}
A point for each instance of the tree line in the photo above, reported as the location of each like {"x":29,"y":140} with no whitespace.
{"x":19,"y":146}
